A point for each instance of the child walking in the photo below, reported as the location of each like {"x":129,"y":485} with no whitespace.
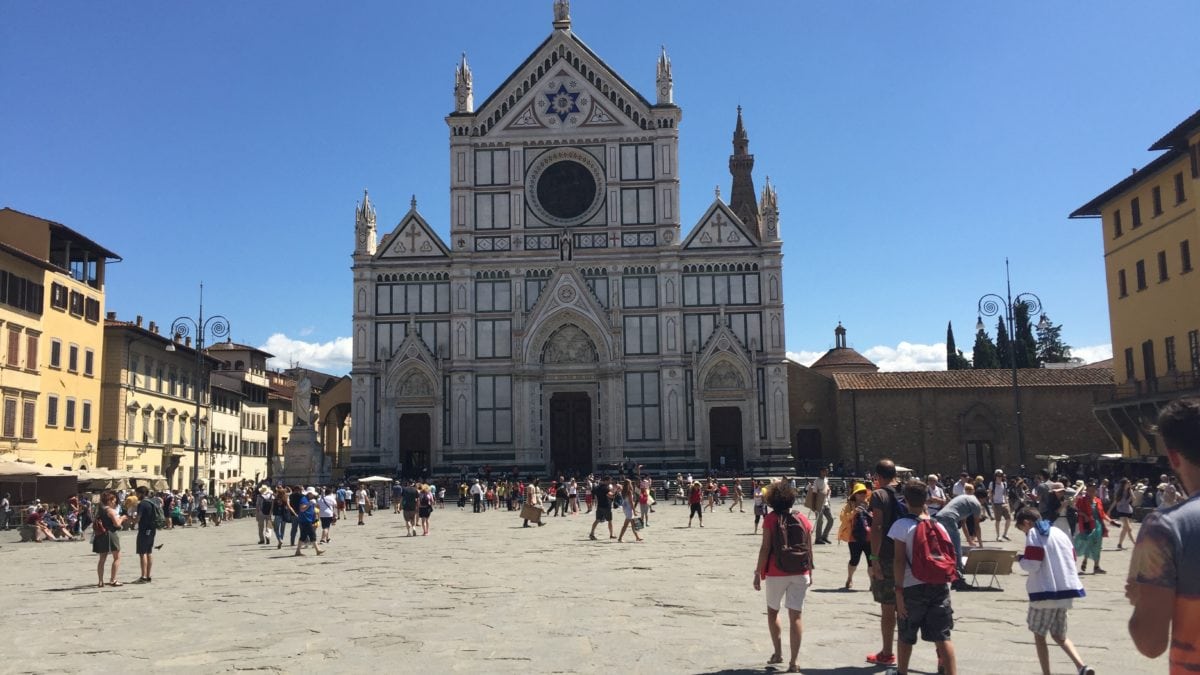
{"x":1053,"y":585}
{"x":923,"y":605}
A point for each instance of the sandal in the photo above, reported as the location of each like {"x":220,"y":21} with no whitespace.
{"x":115,"y":583}
{"x":793,"y":669}
{"x":775,"y":658}
{"x":881,"y":659}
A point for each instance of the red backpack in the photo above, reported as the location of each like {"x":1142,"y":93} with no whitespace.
{"x":932,"y":554}
{"x":792,"y":552}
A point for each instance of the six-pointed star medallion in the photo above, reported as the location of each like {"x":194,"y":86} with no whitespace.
{"x":562,"y":103}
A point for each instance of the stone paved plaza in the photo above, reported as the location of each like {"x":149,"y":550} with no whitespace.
{"x":483,"y":595}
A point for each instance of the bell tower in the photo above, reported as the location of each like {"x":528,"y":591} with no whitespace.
{"x":741,"y":165}
{"x":365,"y":238}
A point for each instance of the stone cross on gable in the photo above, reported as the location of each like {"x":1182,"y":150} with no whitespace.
{"x":412,"y":235}
{"x":719,"y":221}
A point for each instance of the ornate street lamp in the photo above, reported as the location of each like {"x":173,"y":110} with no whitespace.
{"x":218,"y":327}
{"x":992,"y":304}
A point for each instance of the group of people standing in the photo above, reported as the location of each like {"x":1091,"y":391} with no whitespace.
{"x":911,"y":532}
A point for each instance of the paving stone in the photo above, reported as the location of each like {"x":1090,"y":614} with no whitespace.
{"x":483,"y":594}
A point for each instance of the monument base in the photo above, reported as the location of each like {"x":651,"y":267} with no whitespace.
{"x":304,"y":462}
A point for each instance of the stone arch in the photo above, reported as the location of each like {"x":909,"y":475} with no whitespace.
{"x":414,"y":384}
{"x":724,"y":374}
{"x":568,"y":344}
{"x":549,"y":325}
{"x":978,"y":421}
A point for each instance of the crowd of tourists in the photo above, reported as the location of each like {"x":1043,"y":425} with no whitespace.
{"x":911,"y":531}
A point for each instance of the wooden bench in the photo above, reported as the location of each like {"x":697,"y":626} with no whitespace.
{"x":991,"y":562}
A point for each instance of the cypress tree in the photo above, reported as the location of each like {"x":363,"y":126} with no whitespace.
{"x":954,"y":357}
{"x":1002,"y":344}
{"x":985,"y":352}
{"x":1024,"y":343}
{"x":1050,"y":347}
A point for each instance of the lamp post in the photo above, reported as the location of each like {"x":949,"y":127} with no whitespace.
{"x":218,"y":327}
{"x":992,"y":304}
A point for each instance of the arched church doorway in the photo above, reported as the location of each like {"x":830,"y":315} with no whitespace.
{"x":808,"y":451}
{"x":414,"y":435}
{"x":725,"y":438}
{"x":571,"y":433}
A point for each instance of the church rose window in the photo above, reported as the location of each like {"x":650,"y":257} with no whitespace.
{"x":566,"y":189}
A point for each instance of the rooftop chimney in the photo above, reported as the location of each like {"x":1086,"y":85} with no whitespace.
{"x":187,"y":341}
{"x":153,"y":328}
{"x":111,"y":316}
{"x":138,"y":321}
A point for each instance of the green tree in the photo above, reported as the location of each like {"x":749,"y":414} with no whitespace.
{"x":1025,"y":344}
{"x":1002,"y":344}
{"x":985,"y":352}
{"x":1050,"y":347}
{"x":954,"y":357}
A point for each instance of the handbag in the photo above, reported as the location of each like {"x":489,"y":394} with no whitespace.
{"x":638,"y":524}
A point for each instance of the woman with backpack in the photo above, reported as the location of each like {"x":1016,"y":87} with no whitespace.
{"x":105,"y":538}
{"x":855,"y":529}
{"x":785,"y":565}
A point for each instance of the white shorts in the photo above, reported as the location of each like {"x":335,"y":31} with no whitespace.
{"x":793,"y":586}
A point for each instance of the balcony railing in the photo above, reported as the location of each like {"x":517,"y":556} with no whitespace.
{"x":1166,"y":386}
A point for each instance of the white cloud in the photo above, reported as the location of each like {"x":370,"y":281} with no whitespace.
{"x":306,"y":331}
{"x":805,"y":357}
{"x":332,"y":357}
{"x":908,"y":356}
{"x":904,"y":356}
{"x":1092,"y":354}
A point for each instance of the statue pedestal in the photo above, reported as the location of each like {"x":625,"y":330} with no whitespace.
{"x":304,"y":463}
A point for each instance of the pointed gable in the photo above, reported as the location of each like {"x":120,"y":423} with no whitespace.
{"x":720,"y":228}
{"x":413,"y":238}
{"x":566,"y":299}
{"x":563,"y":85}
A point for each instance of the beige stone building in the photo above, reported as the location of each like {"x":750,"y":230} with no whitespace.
{"x":149,"y":411}
{"x":242,"y":377}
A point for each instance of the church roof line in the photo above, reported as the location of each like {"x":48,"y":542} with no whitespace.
{"x":568,"y":41}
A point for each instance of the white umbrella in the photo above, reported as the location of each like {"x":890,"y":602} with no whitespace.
{"x":375,"y":479}
{"x":903,"y":469}
{"x":17,"y":469}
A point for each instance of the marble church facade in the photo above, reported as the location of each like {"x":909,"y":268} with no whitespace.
{"x":568,"y":324}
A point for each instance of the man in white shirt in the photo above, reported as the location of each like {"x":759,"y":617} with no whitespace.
{"x":961,"y":486}
{"x":821,"y":505}
{"x":327,"y":512}
{"x":360,"y":501}
{"x":998,"y":496}
{"x":936,"y":498}
{"x":476,"y":492}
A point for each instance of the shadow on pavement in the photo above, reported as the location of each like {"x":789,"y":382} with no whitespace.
{"x":844,"y":670}
{"x":84,"y":587}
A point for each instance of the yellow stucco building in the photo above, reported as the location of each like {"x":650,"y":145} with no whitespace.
{"x":149,"y":408}
{"x":1150,"y":225}
{"x":51,"y":304}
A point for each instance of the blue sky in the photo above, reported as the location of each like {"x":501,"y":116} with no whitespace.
{"x":914,"y":145}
